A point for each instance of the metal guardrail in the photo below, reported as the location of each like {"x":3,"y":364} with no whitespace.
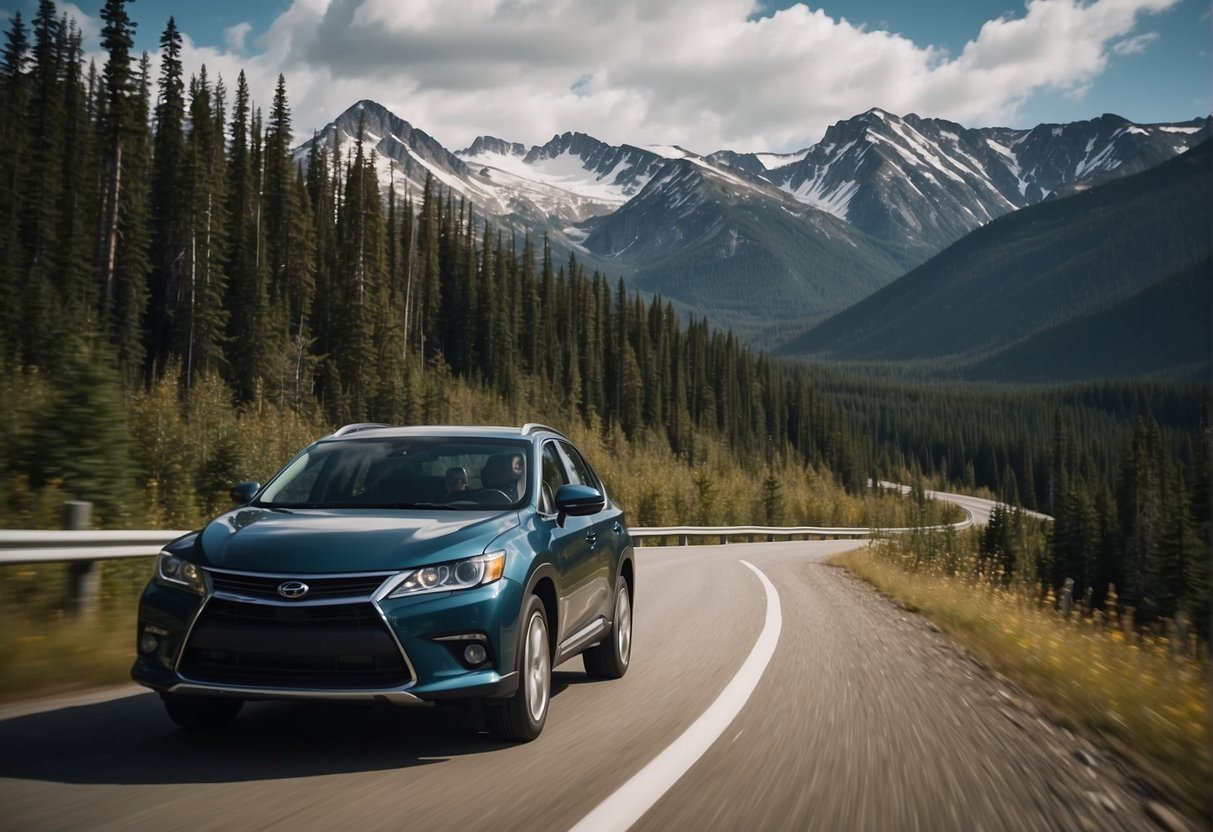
{"x":83,"y":547}
{"x":724,"y":533}
{"x":60,"y":546}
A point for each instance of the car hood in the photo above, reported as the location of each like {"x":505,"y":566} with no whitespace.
{"x":365,"y":540}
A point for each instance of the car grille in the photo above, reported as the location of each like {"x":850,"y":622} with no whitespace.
{"x":326,"y":647}
{"x":319,"y":588}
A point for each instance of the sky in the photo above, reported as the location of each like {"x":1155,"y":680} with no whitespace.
{"x":746,"y":75}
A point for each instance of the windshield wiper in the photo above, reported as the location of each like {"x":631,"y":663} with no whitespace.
{"x":402,"y":505}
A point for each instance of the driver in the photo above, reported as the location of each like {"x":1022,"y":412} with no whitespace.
{"x":504,"y":473}
{"x":456,"y":480}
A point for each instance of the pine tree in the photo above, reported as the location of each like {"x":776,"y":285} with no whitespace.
{"x":248,"y":298}
{"x":363,"y":296}
{"x":14,"y":139}
{"x":199,"y":315}
{"x":80,"y":173}
{"x":425,"y":326}
{"x":1176,"y":546}
{"x":42,"y":264}
{"x":301,"y":288}
{"x":117,"y":128}
{"x":167,"y":286}
{"x":131,"y":251}
{"x":290,"y":283}
{"x":1138,"y":505}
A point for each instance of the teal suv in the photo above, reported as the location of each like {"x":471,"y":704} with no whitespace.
{"x":404,"y":565}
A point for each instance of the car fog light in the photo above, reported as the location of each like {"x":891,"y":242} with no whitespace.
{"x":148,"y":643}
{"x":475,"y":654}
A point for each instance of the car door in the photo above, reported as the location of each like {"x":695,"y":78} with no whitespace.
{"x":572,"y":545}
{"x":602,"y":533}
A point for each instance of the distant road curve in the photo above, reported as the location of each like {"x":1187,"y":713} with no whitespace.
{"x":978,"y":507}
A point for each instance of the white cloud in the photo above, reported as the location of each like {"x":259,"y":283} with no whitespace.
{"x":235,"y":36}
{"x":1135,"y":44}
{"x":705,"y":72}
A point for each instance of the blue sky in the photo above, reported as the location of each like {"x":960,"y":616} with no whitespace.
{"x":1170,"y":80}
{"x":706,"y":74}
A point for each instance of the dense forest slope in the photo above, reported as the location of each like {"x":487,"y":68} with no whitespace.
{"x":1068,"y":278}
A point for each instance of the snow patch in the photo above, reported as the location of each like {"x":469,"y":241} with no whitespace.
{"x":565,"y":172}
{"x":770,"y":161}
{"x":723,"y":174}
{"x":834,"y":199}
{"x":1012,"y":163}
{"x":1102,"y":159}
{"x":922,"y":147}
{"x":666,"y":151}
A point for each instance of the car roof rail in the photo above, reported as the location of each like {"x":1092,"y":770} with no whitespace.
{"x":357,"y":426}
{"x":532,"y":427}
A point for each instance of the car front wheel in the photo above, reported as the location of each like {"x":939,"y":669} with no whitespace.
{"x":520,"y":718}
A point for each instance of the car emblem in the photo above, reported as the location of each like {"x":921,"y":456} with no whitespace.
{"x":292,"y":589}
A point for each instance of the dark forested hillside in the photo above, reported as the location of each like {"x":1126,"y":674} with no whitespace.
{"x":1162,"y":331}
{"x":1050,"y":277}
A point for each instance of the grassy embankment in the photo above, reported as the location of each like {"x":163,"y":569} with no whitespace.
{"x":1144,"y":695}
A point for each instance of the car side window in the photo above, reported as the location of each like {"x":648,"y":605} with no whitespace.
{"x":554,"y":476}
{"x":579,"y":470}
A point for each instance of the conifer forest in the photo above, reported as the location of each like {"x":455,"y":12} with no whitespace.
{"x":183,"y":306}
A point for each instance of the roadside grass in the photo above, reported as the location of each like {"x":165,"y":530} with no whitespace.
{"x":1141,"y":694}
{"x":44,"y":649}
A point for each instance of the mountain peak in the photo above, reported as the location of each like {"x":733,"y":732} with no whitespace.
{"x":492,"y":144}
{"x":576,"y":144}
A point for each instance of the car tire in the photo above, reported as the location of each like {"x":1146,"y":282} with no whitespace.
{"x":521,"y":717}
{"x":609,"y":659}
{"x":201,"y":714}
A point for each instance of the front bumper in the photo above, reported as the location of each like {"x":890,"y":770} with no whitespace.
{"x":405,"y":651}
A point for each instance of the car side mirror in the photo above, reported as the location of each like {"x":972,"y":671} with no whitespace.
{"x":578,"y":501}
{"x":242,"y":493}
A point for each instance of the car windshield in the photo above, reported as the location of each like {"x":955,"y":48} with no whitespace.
{"x":459,"y":474}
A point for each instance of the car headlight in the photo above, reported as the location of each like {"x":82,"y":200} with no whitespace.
{"x":179,"y":573}
{"x":457,"y":574}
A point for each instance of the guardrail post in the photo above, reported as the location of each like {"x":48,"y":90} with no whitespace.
{"x":682,"y":540}
{"x":84,"y":579}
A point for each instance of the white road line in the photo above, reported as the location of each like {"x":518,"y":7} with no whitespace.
{"x":630,"y":801}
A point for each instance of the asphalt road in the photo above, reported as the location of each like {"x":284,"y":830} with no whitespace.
{"x":865,"y":718}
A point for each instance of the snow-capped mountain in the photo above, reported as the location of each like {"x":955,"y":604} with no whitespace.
{"x":923,"y":183}
{"x":729,"y":245}
{"x":1110,"y":283}
{"x":569,"y":179}
{"x":748,"y":236}
{"x":403,"y":155}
